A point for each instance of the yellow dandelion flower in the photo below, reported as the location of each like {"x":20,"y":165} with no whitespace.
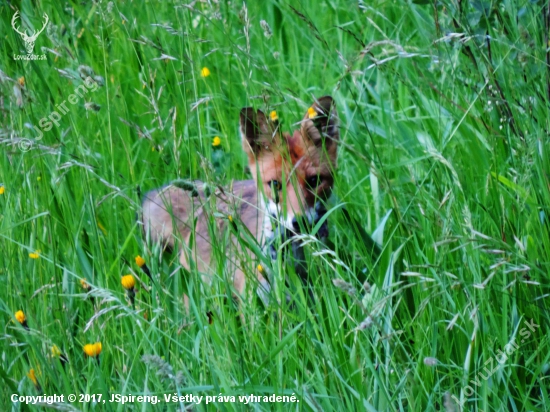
{"x":230,"y":218}
{"x":2,"y":190}
{"x":205,"y":72}
{"x":21,"y":81}
{"x":273,"y":116}
{"x":140,"y":261}
{"x":56,"y":352}
{"x":32,"y":376}
{"x":85,"y":285}
{"x":35,"y":254}
{"x":143,"y":265}
{"x":216,"y":141}
{"x":311,"y":113}
{"x":92,"y":349}
{"x":20,"y":316}
{"x":128,"y":282}
{"x":101,"y":227}
{"x":260,"y":269}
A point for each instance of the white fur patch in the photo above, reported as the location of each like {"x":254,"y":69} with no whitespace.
{"x":273,"y":217}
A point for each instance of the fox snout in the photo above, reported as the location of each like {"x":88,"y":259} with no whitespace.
{"x":305,"y":223}
{"x":301,"y":224}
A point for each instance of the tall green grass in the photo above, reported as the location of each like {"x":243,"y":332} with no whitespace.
{"x":443,"y":157}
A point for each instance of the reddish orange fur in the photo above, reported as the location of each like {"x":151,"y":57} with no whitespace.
{"x":171,"y":212}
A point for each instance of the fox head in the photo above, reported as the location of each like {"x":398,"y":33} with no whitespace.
{"x":294,"y":172}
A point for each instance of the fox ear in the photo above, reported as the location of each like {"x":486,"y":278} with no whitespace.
{"x":255,"y":132}
{"x":320,"y":123}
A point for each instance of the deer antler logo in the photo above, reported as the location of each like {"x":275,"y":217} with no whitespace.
{"x":29,"y":39}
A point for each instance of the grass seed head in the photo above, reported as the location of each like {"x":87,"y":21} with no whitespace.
{"x":163,"y":369}
{"x":92,"y":106}
{"x":344,"y":286}
{"x":265,"y":27}
{"x":367,"y":323}
{"x":85,"y":71}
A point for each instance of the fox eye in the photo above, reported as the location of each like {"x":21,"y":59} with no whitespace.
{"x":314,"y":181}
{"x":275,"y":185}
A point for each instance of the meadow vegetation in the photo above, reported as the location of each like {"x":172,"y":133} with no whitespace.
{"x":443,"y":159}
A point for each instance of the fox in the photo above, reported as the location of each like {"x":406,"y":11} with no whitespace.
{"x":292,"y":178}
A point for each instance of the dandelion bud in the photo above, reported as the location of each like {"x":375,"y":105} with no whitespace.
{"x":35,"y":254}
{"x":273,"y":116}
{"x":140,"y":261}
{"x":85,"y":285}
{"x":21,"y":318}
{"x":142,"y":264}
{"x":128,"y":282}
{"x":93,"y":350}
{"x":32,"y":376}
{"x":56,"y":353}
